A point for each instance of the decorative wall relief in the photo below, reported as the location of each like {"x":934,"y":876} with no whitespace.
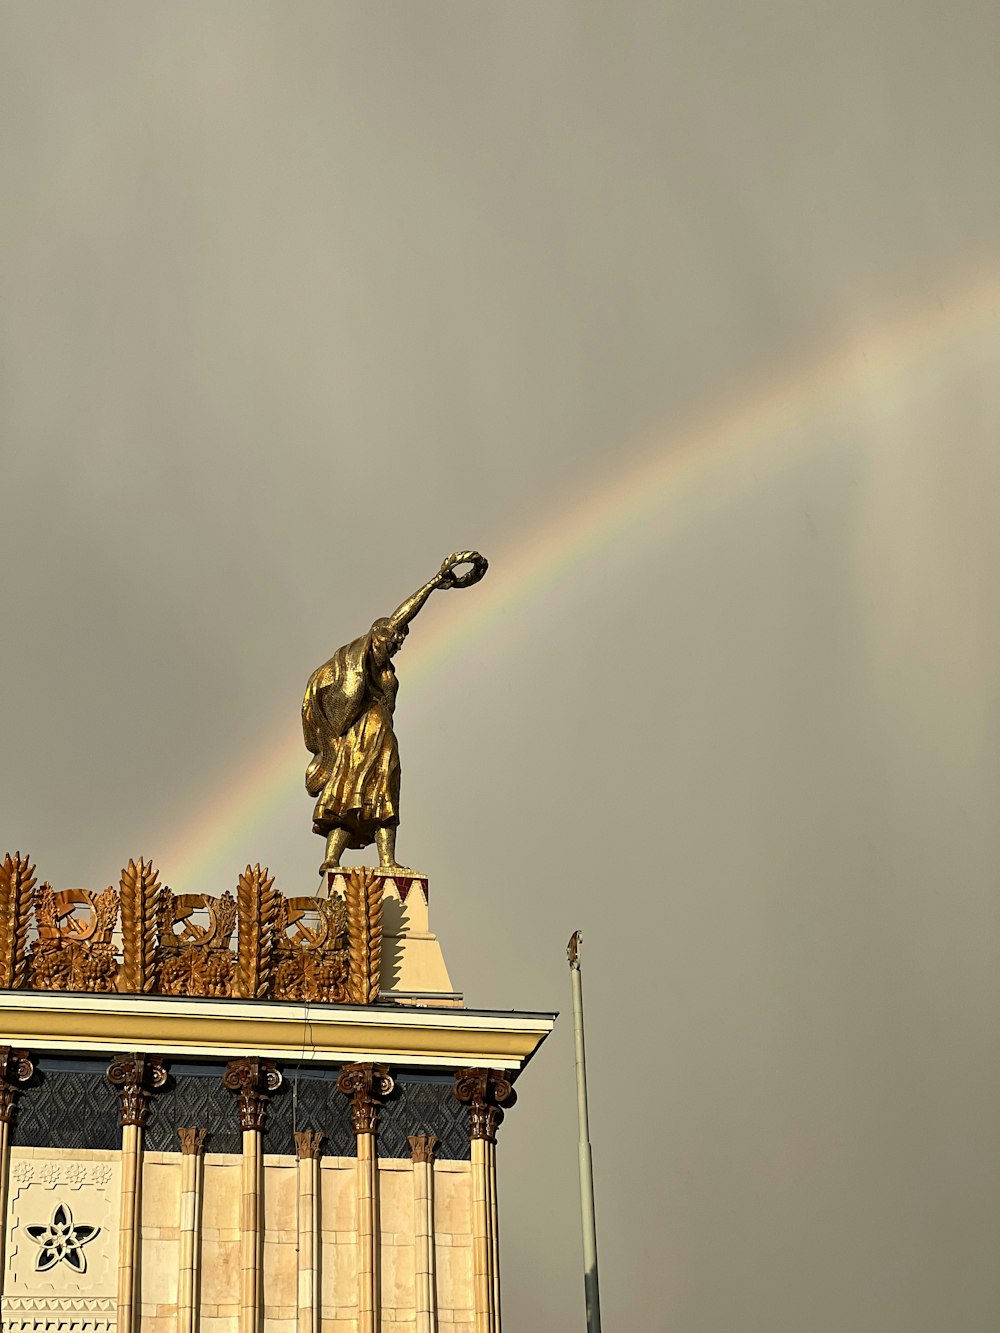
{"x":194,"y":956}
{"x":62,"y":1243}
{"x":74,"y":949}
{"x":141,"y":938}
{"x":311,"y":951}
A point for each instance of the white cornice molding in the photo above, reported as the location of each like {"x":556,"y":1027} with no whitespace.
{"x":314,"y":1033}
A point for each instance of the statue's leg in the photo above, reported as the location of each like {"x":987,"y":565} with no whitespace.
{"x":385,"y":841}
{"x":336,"y":845}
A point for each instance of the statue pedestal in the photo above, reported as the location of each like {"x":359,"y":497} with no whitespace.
{"x":413,"y":969}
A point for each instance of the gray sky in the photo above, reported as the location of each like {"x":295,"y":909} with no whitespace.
{"x":688,"y":316}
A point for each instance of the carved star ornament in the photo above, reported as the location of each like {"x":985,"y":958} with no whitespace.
{"x":61,"y":1241}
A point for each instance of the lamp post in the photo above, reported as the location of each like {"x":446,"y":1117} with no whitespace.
{"x":588,"y":1217}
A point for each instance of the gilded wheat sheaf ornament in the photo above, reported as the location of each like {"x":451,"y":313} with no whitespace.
{"x":286,"y":949}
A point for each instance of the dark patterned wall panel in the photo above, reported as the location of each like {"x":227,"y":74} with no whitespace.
{"x":424,"y":1107}
{"x":309,"y":1102}
{"x":194,"y":1095}
{"x":67,"y":1108}
{"x":70,"y":1104}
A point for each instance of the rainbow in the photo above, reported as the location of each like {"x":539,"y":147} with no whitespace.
{"x":668,"y":473}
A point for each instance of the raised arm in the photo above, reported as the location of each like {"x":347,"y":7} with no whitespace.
{"x":444,"y":578}
{"x":405,"y":612}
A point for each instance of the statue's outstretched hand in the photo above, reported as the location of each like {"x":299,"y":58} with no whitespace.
{"x":463,"y":578}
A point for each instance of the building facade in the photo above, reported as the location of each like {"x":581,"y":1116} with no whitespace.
{"x":246,"y":1114}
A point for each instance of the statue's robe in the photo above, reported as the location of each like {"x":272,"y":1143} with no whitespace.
{"x":347,"y":724}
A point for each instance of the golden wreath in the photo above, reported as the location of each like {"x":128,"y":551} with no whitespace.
{"x":448,"y":578}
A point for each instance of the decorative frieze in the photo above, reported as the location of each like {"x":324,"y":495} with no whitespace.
{"x":141,"y":938}
{"x":59,"y":1171}
{"x":487,"y":1092}
{"x":74,"y":950}
{"x":366,"y":1084}
{"x":136,"y":1077}
{"x":253,"y":1080}
{"x":194,"y":934}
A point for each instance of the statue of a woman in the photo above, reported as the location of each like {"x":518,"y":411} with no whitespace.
{"x":347,"y":724}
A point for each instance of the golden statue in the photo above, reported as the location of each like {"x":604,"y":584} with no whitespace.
{"x":347,"y":724}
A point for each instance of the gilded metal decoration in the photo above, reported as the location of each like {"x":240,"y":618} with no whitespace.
{"x":367,"y":1085}
{"x":138,"y":889}
{"x":143,"y":938}
{"x":259,"y":909}
{"x":347,"y":725}
{"x":61,"y":1241}
{"x":311,"y":950}
{"x":195,"y":958}
{"x":17,"y":880}
{"x":253,"y":1080}
{"x":487,"y":1092}
{"x":136,"y":1077}
{"x":74,"y":950}
{"x":363,"y":896}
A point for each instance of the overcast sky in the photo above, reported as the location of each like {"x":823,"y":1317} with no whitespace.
{"x":688,"y":316}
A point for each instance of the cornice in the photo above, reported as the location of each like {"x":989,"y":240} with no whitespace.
{"x":403,"y":1037}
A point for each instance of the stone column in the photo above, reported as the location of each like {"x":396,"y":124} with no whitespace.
{"x":487,"y":1091}
{"x":307,"y":1146}
{"x":192,"y":1160}
{"x":366,"y":1085}
{"x":253,"y":1080}
{"x":136,"y":1077}
{"x":15,"y":1070}
{"x":422,"y":1147}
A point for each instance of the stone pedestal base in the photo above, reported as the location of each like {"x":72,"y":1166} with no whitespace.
{"x":413,"y":967}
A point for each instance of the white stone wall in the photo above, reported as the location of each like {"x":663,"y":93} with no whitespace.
{"x":62,"y":1297}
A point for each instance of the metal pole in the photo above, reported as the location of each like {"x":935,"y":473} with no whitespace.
{"x":590,"y":1284}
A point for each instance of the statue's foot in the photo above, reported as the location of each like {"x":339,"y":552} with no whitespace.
{"x":329,"y":865}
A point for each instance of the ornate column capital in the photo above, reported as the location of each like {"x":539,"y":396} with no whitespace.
{"x":308,"y":1142}
{"x":192,"y":1139}
{"x":487,"y":1091}
{"x":367,"y":1085}
{"x":136,"y":1077}
{"x":254,"y":1080}
{"x":15,"y":1070}
{"x":422,"y":1147}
